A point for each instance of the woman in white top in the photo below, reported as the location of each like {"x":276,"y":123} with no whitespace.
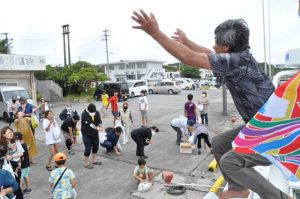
{"x":52,"y":139}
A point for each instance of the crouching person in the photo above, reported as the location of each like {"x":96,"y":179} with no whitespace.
{"x":112,"y":140}
{"x":142,"y":173}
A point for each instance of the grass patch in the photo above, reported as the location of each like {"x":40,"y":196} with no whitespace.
{"x":205,"y":87}
{"x":79,"y":98}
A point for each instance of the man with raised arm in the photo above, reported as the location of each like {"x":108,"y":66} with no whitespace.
{"x":233,"y":65}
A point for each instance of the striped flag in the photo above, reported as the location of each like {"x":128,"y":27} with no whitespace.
{"x":274,"y":132}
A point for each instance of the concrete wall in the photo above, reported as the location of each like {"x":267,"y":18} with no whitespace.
{"x":45,"y":86}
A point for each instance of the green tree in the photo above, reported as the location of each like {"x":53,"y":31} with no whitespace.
{"x":190,"y":72}
{"x":75,"y":78}
{"x":5,"y":47}
{"x":170,"y":68}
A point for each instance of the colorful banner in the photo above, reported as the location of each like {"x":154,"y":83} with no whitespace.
{"x":274,"y":131}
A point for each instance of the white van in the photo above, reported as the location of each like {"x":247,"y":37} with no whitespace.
{"x":136,"y":86}
{"x":6,"y":95}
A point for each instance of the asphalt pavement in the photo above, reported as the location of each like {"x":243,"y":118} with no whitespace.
{"x":114,"y":178}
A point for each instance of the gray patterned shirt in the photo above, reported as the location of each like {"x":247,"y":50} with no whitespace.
{"x":249,"y":86}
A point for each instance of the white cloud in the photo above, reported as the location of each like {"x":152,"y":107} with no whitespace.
{"x":36,"y":26}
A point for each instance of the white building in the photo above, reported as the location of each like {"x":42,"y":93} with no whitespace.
{"x":18,"y":70}
{"x":292,"y":58}
{"x":206,"y":74}
{"x":134,"y":69}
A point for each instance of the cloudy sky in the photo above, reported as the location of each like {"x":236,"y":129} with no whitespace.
{"x":35,"y":26}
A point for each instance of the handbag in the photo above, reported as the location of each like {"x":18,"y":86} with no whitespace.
{"x":57,"y":182}
{"x":200,"y":107}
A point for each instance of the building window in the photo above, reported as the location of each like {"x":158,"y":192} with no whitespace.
{"x":111,"y":67}
{"x":121,"y":67}
{"x":141,"y":65}
{"x":8,"y":83}
{"x":131,"y":66}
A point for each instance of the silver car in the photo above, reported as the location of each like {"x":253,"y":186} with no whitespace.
{"x":165,"y":87}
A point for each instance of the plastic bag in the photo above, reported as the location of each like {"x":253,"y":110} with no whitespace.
{"x":200,"y":107}
{"x":73,"y":193}
{"x":56,"y":132}
{"x":34,"y":121}
{"x":7,"y":166}
{"x":192,"y":139}
{"x":144,"y":187}
{"x":102,"y":136}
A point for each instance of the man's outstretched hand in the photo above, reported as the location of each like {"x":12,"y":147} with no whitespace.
{"x":180,"y":36}
{"x":146,"y":23}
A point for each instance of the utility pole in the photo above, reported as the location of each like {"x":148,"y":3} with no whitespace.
{"x":269,"y":23}
{"x":264,"y":33}
{"x":66,"y":32}
{"x":106,"y":35}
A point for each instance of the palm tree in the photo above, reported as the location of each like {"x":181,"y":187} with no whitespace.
{"x":5,"y":47}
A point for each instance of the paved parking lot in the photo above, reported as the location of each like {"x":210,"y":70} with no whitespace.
{"x":114,"y":178}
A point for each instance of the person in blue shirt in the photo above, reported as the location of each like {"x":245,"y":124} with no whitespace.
{"x":8,"y":183}
{"x":112,"y":140}
{"x":27,"y":109}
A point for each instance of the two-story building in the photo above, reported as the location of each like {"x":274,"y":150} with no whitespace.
{"x":134,"y":69}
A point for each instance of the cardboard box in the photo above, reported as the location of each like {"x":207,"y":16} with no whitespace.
{"x":186,"y":147}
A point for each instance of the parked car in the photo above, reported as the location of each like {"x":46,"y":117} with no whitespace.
{"x":110,"y":87}
{"x":136,"y":86}
{"x":165,"y":87}
{"x":185,"y":84}
{"x":188,"y":82}
{"x":6,"y":95}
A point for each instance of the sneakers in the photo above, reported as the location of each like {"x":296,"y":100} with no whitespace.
{"x":199,"y":151}
{"x":26,"y":192}
{"x":71,"y":152}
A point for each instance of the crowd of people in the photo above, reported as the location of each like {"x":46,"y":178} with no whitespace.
{"x":20,"y":146}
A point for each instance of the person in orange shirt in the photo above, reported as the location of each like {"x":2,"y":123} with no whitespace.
{"x":113,"y":101}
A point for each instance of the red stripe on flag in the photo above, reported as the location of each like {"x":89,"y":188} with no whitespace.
{"x":296,"y":109}
{"x":290,"y":166}
{"x":292,"y":146}
{"x":262,"y":118}
{"x":244,"y":150}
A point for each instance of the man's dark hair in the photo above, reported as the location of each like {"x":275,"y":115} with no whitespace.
{"x":190,"y":97}
{"x":91,"y":108}
{"x":22,"y":99}
{"x":143,"y":91}
{"x":154,"y":128}
{"x":234,"y":33}
{"x":118,"y":129}
{"x":141,"y":161}
{"x":61,"y":162}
